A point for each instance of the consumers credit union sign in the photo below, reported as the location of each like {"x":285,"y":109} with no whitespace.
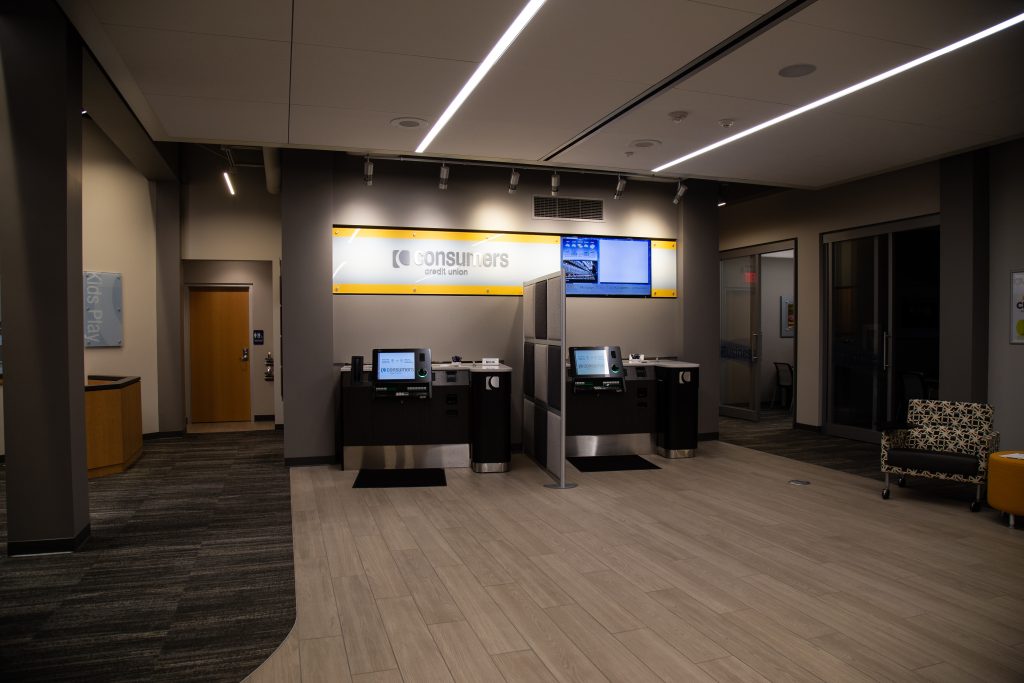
{"x":385,"y":261}
{"x":426,"y":261}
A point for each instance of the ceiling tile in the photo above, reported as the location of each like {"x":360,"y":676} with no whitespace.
{"x":351,"y":129}
{"x":924,"y":23}
{"x":450,"y":29}
{"x":265,"y":19}
{"x":355,"y":79}
{"x":209,"y":120}
{"x":195,"y":65}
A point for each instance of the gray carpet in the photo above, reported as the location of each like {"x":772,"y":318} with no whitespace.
{"x":188,"y":574}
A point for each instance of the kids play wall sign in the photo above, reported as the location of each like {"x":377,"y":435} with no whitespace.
{"x":103,"y":314}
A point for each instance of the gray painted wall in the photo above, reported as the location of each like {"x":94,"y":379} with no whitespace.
{"x":259,"y":274}
{"x":405,"y":195}
{"x":1005,"y":361}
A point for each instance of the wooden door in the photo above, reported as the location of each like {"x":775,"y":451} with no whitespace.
{"x":219,"y":350}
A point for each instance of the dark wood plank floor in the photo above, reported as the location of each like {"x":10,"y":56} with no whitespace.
{"x":188,"y":574}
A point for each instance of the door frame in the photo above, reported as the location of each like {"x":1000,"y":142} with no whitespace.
{"x":758,"y":250}
{"x":827,"y":239}
{"x":187,"y":345}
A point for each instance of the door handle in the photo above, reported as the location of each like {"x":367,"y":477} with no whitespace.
{"x":245,"y":354}
{"x":754,"y":339}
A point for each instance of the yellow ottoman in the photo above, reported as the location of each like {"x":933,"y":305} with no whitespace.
{"x":1006,"y":482}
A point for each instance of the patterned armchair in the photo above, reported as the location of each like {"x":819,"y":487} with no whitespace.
{"x":945,"y":440}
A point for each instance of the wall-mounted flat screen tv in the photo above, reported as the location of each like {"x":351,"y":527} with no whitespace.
{"x":606,"y":266}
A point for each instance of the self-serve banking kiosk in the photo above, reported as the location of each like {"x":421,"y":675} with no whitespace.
{"x":617,"y":406}
{"x":404,"y":412}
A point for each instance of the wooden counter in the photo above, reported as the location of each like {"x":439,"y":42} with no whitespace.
{"x":113,"y":423}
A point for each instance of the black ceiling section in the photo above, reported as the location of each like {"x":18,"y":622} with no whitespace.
{"x":779,"y":14}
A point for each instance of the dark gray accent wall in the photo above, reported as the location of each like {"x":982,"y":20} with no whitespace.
{"x":170,"y":375}
{"x":698,"y":293}
{"x":963,"y":279}
{"x":306,"y":310}
{"x":41,"y":172}
{"x":1006,"y":249}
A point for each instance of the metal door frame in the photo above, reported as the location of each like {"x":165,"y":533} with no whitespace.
{"x":827,"y":242}
{"x":756,"y":324}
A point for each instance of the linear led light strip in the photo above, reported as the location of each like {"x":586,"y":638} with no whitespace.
{"x":511,"y":33}
{"x":1013,"y":21}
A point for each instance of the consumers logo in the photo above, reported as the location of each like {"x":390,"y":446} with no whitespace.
{"x":399,"y":258}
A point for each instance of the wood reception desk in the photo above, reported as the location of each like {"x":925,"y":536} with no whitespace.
{"x":113,"y":423}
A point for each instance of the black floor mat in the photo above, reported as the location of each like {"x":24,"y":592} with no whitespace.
{"x":612,"y":463}
{"x":383,"y":479}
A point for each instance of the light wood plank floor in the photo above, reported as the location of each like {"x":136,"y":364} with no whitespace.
{"x":710,"y":569}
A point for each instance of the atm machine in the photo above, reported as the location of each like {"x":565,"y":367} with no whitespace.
{"x":617,"y":406}
{"x":405,"y":412}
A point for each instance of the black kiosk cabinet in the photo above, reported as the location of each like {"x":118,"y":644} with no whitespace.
{"x":617,"y":406}
{"x":407,"y":413}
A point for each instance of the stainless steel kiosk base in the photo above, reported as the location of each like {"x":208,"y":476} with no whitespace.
{"x":673,"y":453}
{"x":486,"y":467}
{"x":406,"y":457}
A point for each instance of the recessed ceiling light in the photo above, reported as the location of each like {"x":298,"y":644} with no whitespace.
{"x":727,"y":123}
{"x":856,"y":87}
{"x":797,"y":70}
{"x":406,"y":122}
{"x":678,"y":115}
{"x":644,"y":144}
{"x":511,"y":33}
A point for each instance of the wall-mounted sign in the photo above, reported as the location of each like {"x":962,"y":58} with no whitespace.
{"x":424,"y":261}
{"x":1017,"y":308}
{"x":103,"y":315}
{"x":257,"y":337}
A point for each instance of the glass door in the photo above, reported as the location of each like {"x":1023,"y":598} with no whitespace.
{"x":882,"y":328}
{"x":740,"y":332}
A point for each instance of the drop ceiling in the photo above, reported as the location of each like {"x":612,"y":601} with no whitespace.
{"x":577,"y":88}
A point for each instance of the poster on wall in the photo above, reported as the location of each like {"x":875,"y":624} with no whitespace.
{"x":1017,"y":308}
{"x":103,"y":314}
{"x":426,"y":261}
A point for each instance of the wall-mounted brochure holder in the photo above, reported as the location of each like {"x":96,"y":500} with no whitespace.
{"x":544,"y":374}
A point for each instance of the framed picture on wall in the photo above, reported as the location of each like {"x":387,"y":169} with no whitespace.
{"x":787,"y":316}
{"x":1017,"y":307}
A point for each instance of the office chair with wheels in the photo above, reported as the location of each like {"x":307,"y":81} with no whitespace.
{"x":783,"y":385}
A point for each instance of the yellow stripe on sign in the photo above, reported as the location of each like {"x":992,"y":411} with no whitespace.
{"x":663,"y":244}
{"x":428,"y":234}
{"x":663,"y":294}
{"x":494,"y":290}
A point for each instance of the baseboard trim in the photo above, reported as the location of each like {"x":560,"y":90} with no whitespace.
{"x":56,"y":545}
{"x":707,"y":436}
{"x":806,"y":427}
{"x":262,"y":418}
{"x":162,"y":435}
{"x":308,"y":462}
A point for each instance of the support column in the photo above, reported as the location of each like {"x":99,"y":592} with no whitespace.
{"x":41,"y":263}
{"x":310,"y":382}
{"x":963,"y":278}
{"x":698,"y":294}
{"x":167,"y":212}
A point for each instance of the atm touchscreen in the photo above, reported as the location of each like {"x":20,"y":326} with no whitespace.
{"x":401,"y":372}
{"x":396,"y":365}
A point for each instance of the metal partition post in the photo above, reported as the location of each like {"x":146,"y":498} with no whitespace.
{"x":562,"y":483}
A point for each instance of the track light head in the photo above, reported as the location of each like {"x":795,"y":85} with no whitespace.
{"x":619,"y":187}
{"x":443,"y":182}
{"x":680,"y":191}
{"x":227,"y":181}
{"x":513,"y":182}
{"x":555,"y":182}
{"x":368,"y":172}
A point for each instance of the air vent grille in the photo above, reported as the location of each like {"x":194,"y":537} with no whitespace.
{"x":568,"y":208}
